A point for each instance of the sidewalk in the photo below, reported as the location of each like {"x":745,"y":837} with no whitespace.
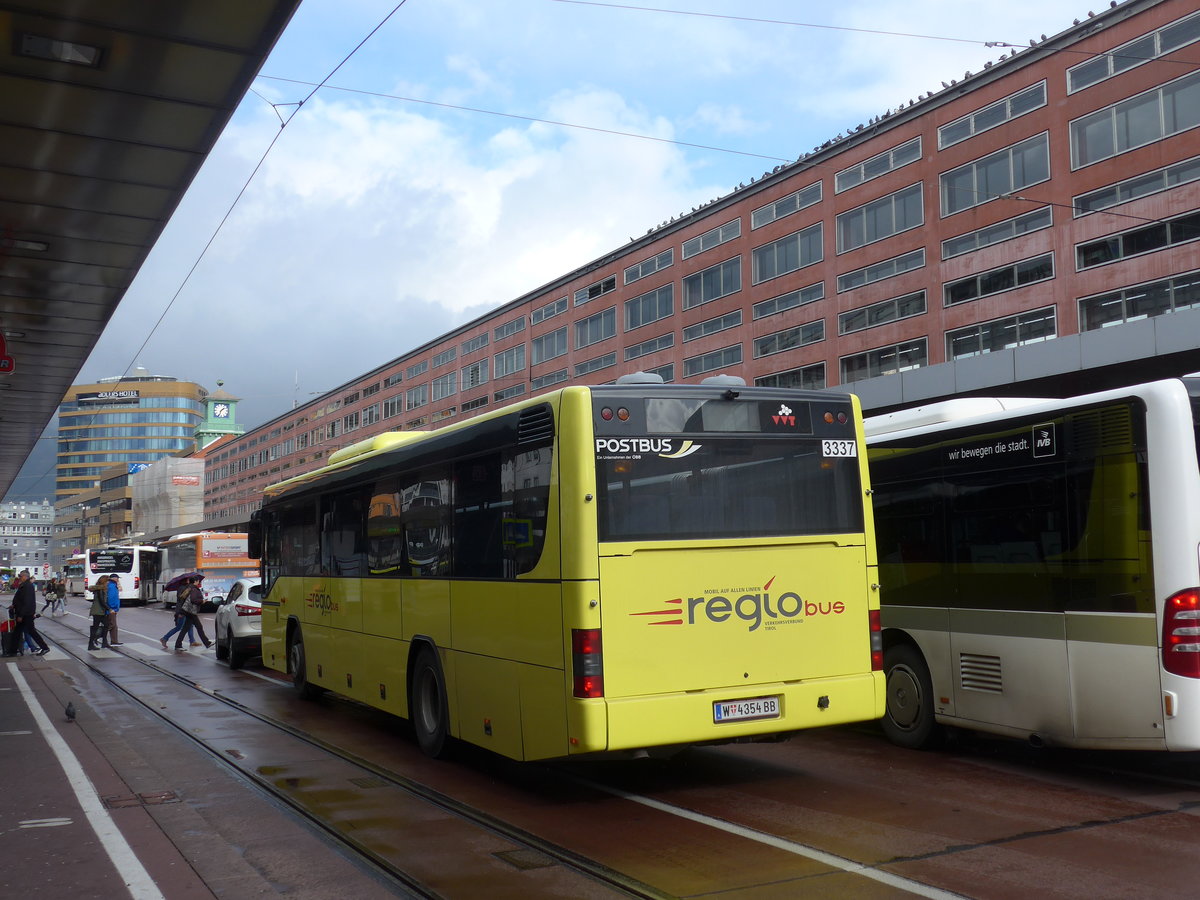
{"x":117,"y":803}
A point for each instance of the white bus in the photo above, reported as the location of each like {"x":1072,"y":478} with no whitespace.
{"x":75,"y":575}
{"x":135,"y":567}
{"x":1039,"y":568}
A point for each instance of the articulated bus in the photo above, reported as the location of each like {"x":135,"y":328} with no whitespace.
{"x":1039,"y":568}
{"x":134,"y":567}
{"x":75,"y":575}
{"x":598,"y":569}
{"x":219,"y":556}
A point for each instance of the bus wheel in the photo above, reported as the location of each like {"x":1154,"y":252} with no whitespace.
{"x":427,"y":704}
{"x":300,"y":682}
{"x":908,"y":720}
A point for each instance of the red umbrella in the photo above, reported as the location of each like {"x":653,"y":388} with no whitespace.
{"x":177,"y":582}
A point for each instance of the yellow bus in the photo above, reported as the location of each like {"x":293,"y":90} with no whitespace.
{"x":598,"y":569}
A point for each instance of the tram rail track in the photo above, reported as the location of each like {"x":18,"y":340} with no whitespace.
{"x":370,"y":776}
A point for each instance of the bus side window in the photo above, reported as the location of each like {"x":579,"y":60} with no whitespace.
{"x":478,"y":518}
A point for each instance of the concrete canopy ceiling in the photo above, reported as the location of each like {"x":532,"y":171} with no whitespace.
{"x":108,"y":108}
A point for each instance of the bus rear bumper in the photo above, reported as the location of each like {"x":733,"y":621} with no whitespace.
{"x":637,"y":723}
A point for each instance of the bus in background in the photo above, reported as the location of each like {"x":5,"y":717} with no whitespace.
{"x":219,"y":556}
{"x":1039,"y":568}
{"x":75,"y":575}
{"x":598,"y":569}
{"x":135,"y":568}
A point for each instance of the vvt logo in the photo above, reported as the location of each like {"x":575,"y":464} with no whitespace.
{"x":1043,"y":440}
{"x":754,"y":607}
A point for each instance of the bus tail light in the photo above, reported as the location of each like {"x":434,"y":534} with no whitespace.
{"x":1181,"y":634}
{"x":247,"y":609}
{"x":876,"y":640}
{"x":137,"y":583}
{"x":587,"y":661}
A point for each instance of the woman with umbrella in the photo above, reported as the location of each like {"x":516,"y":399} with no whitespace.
{"x":190,"y":599}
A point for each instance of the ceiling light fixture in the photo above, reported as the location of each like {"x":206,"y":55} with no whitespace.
{"x":40,"y":47}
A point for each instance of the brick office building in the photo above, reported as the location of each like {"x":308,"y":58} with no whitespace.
{"x":1054,"y":193}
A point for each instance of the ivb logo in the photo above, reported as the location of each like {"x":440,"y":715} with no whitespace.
{"x":785,"y":416}
{"x":1043,"y":440}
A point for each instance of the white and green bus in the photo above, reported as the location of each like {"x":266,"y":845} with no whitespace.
{"x":1039,"y":568}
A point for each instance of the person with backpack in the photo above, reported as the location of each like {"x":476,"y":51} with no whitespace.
{"x":190,"y":599}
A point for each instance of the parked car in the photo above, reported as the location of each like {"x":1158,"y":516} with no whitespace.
{"x":237,"y":625}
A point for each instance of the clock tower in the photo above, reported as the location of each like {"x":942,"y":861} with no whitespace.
{"x":219,"y":417}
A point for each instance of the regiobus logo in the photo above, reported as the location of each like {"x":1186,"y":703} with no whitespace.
{"x":758,"y":608}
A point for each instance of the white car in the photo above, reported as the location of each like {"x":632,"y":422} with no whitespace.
{"x":237,"y":625}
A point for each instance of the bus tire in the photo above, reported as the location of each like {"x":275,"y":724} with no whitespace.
{"x":908,"y":718}
{"x":299,"y":668}
{"x":427,"y":704}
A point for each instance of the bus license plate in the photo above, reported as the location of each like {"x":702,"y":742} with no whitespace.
{"x":741,"y":710}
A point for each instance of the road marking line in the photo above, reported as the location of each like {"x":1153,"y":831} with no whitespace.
{"x":828,"y":859}
{"x":141,"y":886}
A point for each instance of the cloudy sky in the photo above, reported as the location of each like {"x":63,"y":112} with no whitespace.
{"x":472,"y":150}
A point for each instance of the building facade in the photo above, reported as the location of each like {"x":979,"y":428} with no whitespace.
{"x":1052,"y":195}
{"x":128,"y":421}
{"x":26,"y":533}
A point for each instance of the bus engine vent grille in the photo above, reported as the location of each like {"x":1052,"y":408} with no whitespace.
{"x":980,"y":673}
{"x":536,"y":426}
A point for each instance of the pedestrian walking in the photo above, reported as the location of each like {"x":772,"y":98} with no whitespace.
{"x":24,"y":614}
{"x":181,"y":621}
{"x":99,"y":614}
{"x":190,"y":599}
{"x":113,"y":601}
{"x":53,"y":599}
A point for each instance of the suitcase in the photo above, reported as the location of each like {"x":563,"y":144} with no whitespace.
{"x":8,"y":637}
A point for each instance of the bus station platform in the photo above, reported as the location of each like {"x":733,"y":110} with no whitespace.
{"x":103,"y":799}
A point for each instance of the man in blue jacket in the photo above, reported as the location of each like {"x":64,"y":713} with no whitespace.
{"x":113,"y":601}
{"x":24,"y":612}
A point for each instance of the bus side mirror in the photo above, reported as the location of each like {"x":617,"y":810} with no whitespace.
{"x":254,"y":538}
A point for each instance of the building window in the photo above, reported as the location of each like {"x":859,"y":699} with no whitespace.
{"x":790,"y":300}
{"x":880,"y":219}
{"x":645,"y":348}
{"x":992,"y":115}
{"x":713,"y":283}
{"x":393,"y":379}
{"x":474,"y":375}
{"x":1144,"y":301}
{"x":716,"y":359}
{"x":474,"y":344}
{"x":418,"y":369}
{"x":549,"y":311}
{"x":445,"y":386}
{"x":595,"y":329}
{"x":998,"y":233}
{"x":881,"y":313}
{"x":1120,"y":59}
{"x":1136,"y":122}
{"x":790,"y":339}
{"x":713,"y":238}
{"x":545,"y":381}
{"x":650,"y":266}
{"x":888,"y":268}
{"x":996,"y":174}
{"x":509,"y":393}
{"x":1001,"y":334}
{"x":416,"y":397}
{"x":880,"y":164}
{"x":996,"y":281}
{"x":785,"y":206}
{"x":592,"y":291}
{"x":594,"y":365}
{"x":808,"y":378}
{"x":884,"y":361}
{"x":1138,"y":186}
{"x":712,"y":326}
{"x":349,"y":423}
{"x":548,"y":346}
{"x":508,"y":329}
{"x":446,"y":356}
{"x":475,"y":404}
{"x":1137,"y":241}
{"x":650,"y":307}
{"x":788,"y":254}
{"x":666,"y":373}
{"x":509,"y":362}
